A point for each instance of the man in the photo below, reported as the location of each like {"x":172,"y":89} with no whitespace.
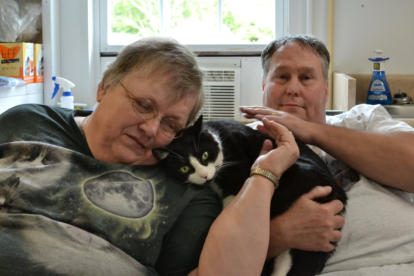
{"x":366,"y":139}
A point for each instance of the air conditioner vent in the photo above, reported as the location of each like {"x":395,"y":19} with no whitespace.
{"x":219,"y":75}
{"x":222,"y":93}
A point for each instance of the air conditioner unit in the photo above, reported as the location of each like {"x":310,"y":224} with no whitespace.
{"x":222,"y":93}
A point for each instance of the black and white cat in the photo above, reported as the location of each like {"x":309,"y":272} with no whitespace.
{"x":222,"y":152}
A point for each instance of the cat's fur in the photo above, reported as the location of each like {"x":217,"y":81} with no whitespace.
{"x":231,"y":150}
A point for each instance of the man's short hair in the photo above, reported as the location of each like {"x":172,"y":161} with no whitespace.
{"x":304,"y":41}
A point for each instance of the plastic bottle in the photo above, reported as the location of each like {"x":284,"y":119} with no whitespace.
{"x":10,"y":82}
{"x":66,"y":100}
{"x":378,"y":91}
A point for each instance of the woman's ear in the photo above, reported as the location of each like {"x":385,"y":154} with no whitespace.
{"x":160,"y":153}
{"x":100,"y":93}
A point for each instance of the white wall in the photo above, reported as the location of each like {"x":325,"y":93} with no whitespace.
{"x":364,"y":25}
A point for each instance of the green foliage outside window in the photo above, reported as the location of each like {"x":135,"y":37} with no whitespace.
{"x":135,"y":17}
{"x":143,"y":18}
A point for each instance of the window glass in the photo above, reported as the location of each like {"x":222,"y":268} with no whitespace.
{"x":249,"y":21}
{"x":193,"y":22}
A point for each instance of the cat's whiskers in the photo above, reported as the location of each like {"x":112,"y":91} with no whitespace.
{"x":221,"y":166}
{"x":225,"y":165}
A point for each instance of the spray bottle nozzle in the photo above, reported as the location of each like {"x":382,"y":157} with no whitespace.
{"x":378,"y":59}
{"x":378,"y":56}
{"x":65,"y":84}
{"x":56,"y":90}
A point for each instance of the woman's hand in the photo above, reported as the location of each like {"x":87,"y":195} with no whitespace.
{"x":281,"y":158}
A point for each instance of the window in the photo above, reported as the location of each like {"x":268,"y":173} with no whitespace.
{"x":203,"y":25}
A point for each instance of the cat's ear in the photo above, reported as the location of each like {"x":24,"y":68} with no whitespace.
{"x":198,"y":124}
{"x":160,"y":153}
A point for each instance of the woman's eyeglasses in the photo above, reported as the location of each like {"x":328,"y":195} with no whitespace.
{"x":148,"y":110}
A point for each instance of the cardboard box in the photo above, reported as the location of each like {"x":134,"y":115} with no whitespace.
{"x":16,"y":60}
{"x":38,"y":62}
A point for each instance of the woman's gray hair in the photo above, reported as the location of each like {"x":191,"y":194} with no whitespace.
{"x":160,"y":54}
{"x":304,"y":41}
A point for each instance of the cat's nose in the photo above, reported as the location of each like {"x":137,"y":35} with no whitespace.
{"x":204,"y":175}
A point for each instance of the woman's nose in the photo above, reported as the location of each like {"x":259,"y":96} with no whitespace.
{"x":150,"y":127}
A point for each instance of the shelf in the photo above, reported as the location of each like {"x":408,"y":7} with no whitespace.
{"x":29,"y":93}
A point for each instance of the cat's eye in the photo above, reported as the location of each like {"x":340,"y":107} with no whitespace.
{"x":204,"y":156}
{"x":185,"y":169}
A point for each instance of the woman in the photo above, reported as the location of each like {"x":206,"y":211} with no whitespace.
{"x":151,"y":92}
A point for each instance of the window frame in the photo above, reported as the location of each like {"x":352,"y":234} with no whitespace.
{"x":281,"y":28}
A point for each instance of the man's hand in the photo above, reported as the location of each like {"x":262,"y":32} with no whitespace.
{"x":307,"y":224}
{"x":301,"y":129}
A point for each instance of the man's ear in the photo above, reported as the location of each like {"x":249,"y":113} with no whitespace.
{"x":326,"y":88}
{"x":160,"y":153}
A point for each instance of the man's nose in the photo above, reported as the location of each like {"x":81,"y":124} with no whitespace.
{"x":293,"y":87}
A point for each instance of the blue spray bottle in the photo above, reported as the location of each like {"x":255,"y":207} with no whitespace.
{"x":64,"y":85}
{"x":378,"y":91}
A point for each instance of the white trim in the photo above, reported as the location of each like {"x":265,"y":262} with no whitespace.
{"x":94,"y":52}
{"x":51,"y":45}
{"x":309,"y":16}
{"x":297,"y":16}
{"x":103,"y":26}
{"x":282,"y":17}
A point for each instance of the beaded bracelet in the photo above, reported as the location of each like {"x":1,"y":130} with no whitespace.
{"x":269,"y":175}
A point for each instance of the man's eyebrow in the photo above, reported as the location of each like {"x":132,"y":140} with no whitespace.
{"x":301,"y":69}
{"x":307,"y":69}
{"x":282,"y":68}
